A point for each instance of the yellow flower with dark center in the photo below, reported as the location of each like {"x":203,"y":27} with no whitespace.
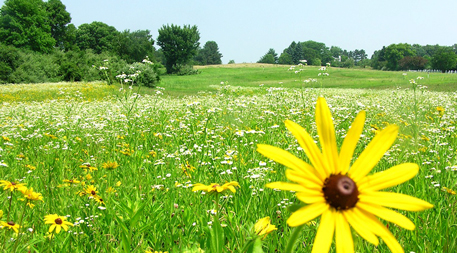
{"x":5,"y":138}
{"x":110,"y":165}
{"x":7,"y":185}
{"x":263,"y":227}
{"x":57,"y":222}
{"x":72,"y":181}
{"x":216,"y":187}
{"x":91,"y":190}
{"x":87,"y":167}
{"x":341,"y":193}
{"x":10,"y":225}
{"x":187,"y":169}
{"x":99,"y":200}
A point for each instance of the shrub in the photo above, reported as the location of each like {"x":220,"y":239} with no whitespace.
{"x":10,"y":59}
{"x":36,"y":68}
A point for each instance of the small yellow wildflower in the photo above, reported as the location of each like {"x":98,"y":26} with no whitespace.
{"x":72,"y":181}
{"x":110,"y":190}
{"x":7,"y":185}
{"x":88,"y":167}
{"x":153,"y":153}
{"x":110,"y":165}
{"x":31,"y":195}
{"x":10,"y":225}
{"x":214,"y":187}
{"x":30,"y":167}
{"x":263,"y":227}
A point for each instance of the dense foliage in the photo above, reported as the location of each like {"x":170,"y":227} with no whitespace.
{"x":401,"y":56}
{"x":179,"y":45}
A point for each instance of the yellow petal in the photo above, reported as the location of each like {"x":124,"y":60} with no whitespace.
{"x":387,"y":214}
{"x":373,"y":153}
{"x":310,"y":148}
{"x":350,"y":142}
{"x":388,"y":178}
{"x":343,"y":236}
{"x":395,"y":200}
{"x":52,"y":228}
{"x":360,"y":227}
{"x":326,"y":132}
{"x":311,"y":197}
{"x":307,"y":213}
{"x":379,"y":229}
{"x":199,"y":187}
{"x":303,"y":179}
{"x":286,"y":186}
{"x":58,"y":228}
{"x":287,"y":159}
{"x":324,"y":235}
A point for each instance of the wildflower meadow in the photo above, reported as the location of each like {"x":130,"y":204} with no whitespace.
{"x":268,"y":167}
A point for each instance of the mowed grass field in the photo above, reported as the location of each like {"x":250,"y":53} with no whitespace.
{"x":120,"y":165}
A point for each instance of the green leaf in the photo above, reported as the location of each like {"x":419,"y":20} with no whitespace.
{"x":137,"y":215}
{"x":256,"y":246}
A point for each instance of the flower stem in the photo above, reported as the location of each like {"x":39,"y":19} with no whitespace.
{"x":293,"y":238}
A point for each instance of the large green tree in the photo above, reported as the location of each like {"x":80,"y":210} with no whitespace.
{"x":270,"y":57}
{"x":444,"y":59}
{"x":58,"y":19}
{"x":97,"y":36}
{"x":395,"y":52}
{"x":209,"y":54}
{"x":25,"y":24}
{"x":179,"y":45}
{"x":135,"y":46}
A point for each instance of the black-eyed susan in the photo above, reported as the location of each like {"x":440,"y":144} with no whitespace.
{"x":7,"y":185}
{"x":87,"y":167}
{"x":10,"y":225}
{"x":263,"y":227}
{"x":99,"y":200}
{"x":214,"y":187}
{"x":342,"y":193}
{"x":89,"y":190}
{"x":57,"y":222}
{"x":72,"y":181}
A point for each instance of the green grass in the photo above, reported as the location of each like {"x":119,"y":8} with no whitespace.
{"x":253,"y":75}
{"x":166,"y":143}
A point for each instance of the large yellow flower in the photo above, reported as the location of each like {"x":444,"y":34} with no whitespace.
{"x":216,"y":187}
{"x":343,"y":193}
{"x":57,"y":222}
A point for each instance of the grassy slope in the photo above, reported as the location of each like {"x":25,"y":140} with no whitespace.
{"x":252,"y":75}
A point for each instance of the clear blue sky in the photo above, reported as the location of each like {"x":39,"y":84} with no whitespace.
{"x":246,"y":29}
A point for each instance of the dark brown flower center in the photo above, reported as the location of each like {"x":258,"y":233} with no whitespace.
{"x":58,"y":221}
{"x":340,"y":192}
{"x":11,"y":223}
{"x":93,"y":192}
{"x":13,"y":183}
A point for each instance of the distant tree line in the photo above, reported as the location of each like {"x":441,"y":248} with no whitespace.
{"x":394,"y":57}
{"x":38,"y":43}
